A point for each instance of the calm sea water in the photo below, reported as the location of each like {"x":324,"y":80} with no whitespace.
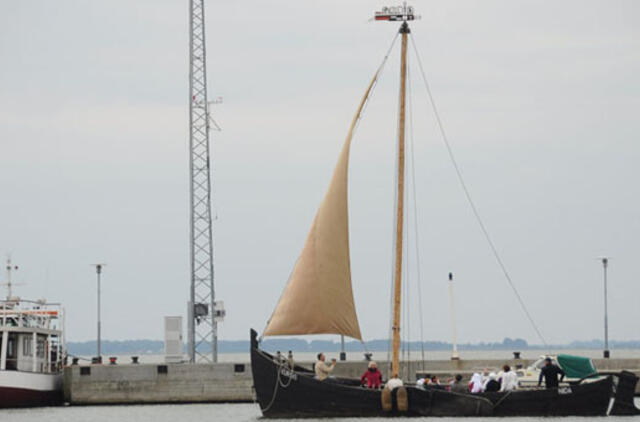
{"x":199,"y":413}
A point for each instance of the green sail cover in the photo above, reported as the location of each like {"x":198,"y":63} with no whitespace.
{"x":576,"y":366}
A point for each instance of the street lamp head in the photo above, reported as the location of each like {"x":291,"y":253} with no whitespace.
{"x":99,"y":267}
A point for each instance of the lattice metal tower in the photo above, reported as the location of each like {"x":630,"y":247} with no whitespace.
{"x":202,"y":329}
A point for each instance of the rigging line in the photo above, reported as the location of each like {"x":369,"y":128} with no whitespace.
{"x":415,"y":217}
{"x":377,"y":76}
{"x":405,"y":283}
{"x":405,"y":303}
{"x":407,"y":242}
{"x":408,"y":312}
{"x":390,"y":332}
{"x":364,"y":346}
{"x":468,"y":195}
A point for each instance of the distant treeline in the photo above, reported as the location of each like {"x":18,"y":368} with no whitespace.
{"x":88,"y":348}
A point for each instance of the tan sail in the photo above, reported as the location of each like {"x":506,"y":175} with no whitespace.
{"x":318,"y":298}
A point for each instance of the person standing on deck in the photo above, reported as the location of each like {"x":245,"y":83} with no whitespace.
{"x":322,"y":369}
{"x":550,"y":373}
{"x":509,"y":381}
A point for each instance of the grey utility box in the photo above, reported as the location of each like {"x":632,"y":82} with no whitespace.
{"x":173,"y":339}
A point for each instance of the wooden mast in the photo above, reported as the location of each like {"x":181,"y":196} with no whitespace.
{"x":397,"y":284}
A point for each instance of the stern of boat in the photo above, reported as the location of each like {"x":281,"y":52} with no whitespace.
{"x":623,"y":403}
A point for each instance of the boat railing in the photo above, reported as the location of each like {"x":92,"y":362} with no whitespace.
{"x":28,"y":313}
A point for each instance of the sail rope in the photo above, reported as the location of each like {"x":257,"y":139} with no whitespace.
{"x":377,"y":77}
{"x":406,"y":304}
{"x":415,"y":218}
{"x":279,"y":383}
{"x":467,"y":194}
{"x":408,"y":259}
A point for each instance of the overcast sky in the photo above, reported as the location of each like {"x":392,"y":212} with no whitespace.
{"x":540,"y":100}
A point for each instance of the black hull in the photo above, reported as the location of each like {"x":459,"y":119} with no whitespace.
{"x":21,"y":397}
{"x":283,"y":393}
{"x":590,"y":399}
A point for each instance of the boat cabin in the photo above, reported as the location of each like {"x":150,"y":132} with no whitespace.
{"x":31,"y":338}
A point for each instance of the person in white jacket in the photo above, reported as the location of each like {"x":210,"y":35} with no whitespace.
{"x":475,"y":385}
{"x":509,"y":380}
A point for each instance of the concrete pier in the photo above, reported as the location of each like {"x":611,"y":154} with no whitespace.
{"x":158,"y":383}
{"x":229,"y":382}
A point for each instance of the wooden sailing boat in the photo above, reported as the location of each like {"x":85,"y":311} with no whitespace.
{"x":318,"y":299}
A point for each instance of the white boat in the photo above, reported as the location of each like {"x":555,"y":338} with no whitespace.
{"x":32,"y":351}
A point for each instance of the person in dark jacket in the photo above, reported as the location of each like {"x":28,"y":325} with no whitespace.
{"x":458,"y":386}
{"x":492,"y":383}
{"x":550,"y":373}
{"x":372,"y":376}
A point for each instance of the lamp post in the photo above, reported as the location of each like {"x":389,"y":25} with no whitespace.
{"x":452,"y":315}
{"x":99,"y":345}
{"x":605,"y":264}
